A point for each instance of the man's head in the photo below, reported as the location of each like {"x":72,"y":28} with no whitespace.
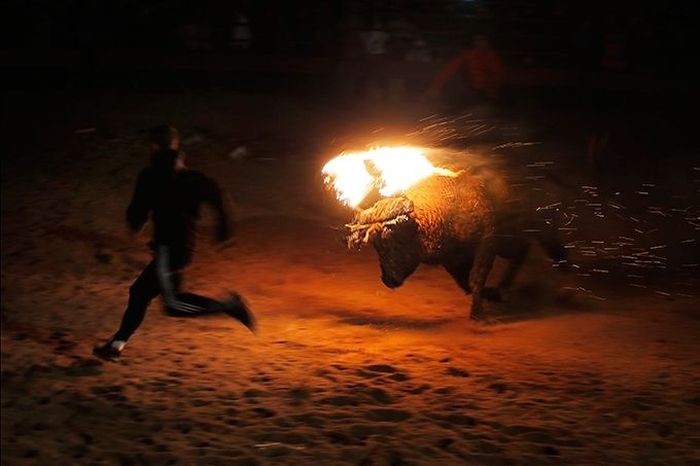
{"x":164,"y":137}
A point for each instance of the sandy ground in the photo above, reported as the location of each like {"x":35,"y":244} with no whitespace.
{"x":343,"y":370}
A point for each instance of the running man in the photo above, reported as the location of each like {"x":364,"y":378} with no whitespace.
{"x":171,"y":194}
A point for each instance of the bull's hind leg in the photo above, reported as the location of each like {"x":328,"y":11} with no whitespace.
{"x":459,"y":268}
{"x":517,"y":259}
{"x":483,"y":262}
{"x":552,"y":245}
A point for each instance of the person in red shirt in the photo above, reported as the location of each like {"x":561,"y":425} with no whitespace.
{"x":484,"y":70}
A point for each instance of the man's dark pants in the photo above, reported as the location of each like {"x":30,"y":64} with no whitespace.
{"x":163,"y":276}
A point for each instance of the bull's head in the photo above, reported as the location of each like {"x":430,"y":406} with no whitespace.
{"x":391,"y":227}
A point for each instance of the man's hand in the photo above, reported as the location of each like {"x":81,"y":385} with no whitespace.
{"x":225,"y":235}
{"x":133,"y":235}
{"x":225,"y":244}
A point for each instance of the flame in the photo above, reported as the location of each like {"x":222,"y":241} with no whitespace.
{"x":354,"y":175}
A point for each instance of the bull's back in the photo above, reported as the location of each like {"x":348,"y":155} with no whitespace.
{"x":453,"y":214}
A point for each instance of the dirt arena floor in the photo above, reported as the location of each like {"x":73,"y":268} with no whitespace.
{"x":343,"y":370}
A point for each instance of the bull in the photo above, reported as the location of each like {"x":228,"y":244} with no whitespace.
{"x":454,"y":222}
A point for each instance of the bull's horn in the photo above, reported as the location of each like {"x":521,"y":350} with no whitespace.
{"x":361,"y":235}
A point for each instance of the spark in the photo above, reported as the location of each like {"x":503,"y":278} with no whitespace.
{"x":508,"y":145}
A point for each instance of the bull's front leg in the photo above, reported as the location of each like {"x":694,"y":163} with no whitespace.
{"x":483,"y":262}
{"x":459,"y":267}
{"x":517,"y":259}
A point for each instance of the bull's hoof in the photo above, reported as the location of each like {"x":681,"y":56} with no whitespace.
{"x":492,"y":294}
{"x":389,"y":283}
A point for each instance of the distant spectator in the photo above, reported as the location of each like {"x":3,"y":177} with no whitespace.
{"x":614,"y":53}
{"x":195,"y":37}
{"x":480,"y":82}
{"x":484,"y":69}
{"x":418,"y":52}
{"x":401,"y":35}
{"x":640,"y":45}
{"x":375,"y":40}
{"x":241,"y":33}
{"x":586,"y":45}
{"x":586,"y":49}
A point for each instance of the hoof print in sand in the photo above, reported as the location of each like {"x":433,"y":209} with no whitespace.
{"x":416,"y":390}
{"x":388,"y":415}
{"x":252,"y":393}
{"x":398,"y":377}
{"x":381,"y":368}
{"x":498,"y":387}
{"x":550,"y":451}
{"x":298,"y":395}
{"x":457,"y":372}
{"x":83,"y":368}
{"x":341,"y":438}
{"x":341,"y":400}
{"x":264,"y":412}
{"x":444,"y":390}
{"x":460,"y":420}
{"x":309,"y":420}
{"x":379,"y":395}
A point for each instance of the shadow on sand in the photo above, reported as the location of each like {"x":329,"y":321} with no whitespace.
{"x":365,"y":318}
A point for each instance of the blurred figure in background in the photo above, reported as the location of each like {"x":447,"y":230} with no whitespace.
{"x":375,"y":40}
{"x":418,"y":51}
{"x":484,"y":71}
{"x":241,"y":33}
{"x":614,"y":51}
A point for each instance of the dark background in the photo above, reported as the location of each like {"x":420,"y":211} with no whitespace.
{"x":139,"y":44}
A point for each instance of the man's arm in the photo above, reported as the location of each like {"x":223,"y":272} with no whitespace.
{"x":221,"y":203}
{"x":448,"y":71}
{"x":140,"y":205}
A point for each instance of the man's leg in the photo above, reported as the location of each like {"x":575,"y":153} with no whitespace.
{"x":182,"y":304}
{"x":169,"y":265}
{"x":141,"y":293}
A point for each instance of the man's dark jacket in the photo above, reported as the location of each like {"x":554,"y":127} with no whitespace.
{"x":173,"y":196}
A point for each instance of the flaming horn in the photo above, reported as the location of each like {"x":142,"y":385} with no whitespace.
{"x":382,"y":215}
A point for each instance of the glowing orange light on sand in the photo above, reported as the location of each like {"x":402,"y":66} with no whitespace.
{"x":353,"y":175}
